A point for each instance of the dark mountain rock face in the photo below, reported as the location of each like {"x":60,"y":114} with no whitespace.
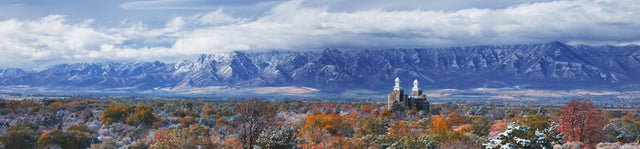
{"x":551,"y":66}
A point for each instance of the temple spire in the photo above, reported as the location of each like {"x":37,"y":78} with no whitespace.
{"x":397,"y":87}
{"x":415,"y":85}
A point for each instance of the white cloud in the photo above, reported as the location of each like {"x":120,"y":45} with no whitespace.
{"x":294,"y":25}
{"x":216,"y":18}
{"x":188,"y":4}
{"x":290,"y":26}
{"x":163,"y":5}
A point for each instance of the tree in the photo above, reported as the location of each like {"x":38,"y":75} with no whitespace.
{"x":54,"y":137}
{"x":254,"y":116}
{"x":623,"y":130}
{"x":534,"y":122}
{"x":398,"y":111}
{"x":143,"y":115}
{"x":106,"y":144}
{"x":458,"y":144}
{"x":413,"y":142}
{"x":399,"y":128}
{"x":282,"y":137}
{"x":511,"y":138}
{"x":370,"y":126}
{"x":76,"y":136}
{"x":439,"y":125}
{"x":186,"y":121}
{"x":481,"y":125}
{"x":579,"y":122}
{"x":21,"y":135}
{"x":457,"y":119}
{"x":319,"y":126}
{"x":114,"y":114}
{"x":497,"y":128}
{"x":547,"y":137}
{"x":81,"y":136}
{"x":181,"y":138}
{"x":516,"y":137}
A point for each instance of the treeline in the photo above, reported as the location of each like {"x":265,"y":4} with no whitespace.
{"x":252,"y":123}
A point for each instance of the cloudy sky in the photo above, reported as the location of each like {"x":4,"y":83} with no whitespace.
{"x":38,"y":33}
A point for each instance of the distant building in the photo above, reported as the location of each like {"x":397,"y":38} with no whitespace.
{"x":415,"y":100}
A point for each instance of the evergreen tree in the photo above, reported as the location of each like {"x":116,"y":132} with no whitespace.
{"x":282,"y":137}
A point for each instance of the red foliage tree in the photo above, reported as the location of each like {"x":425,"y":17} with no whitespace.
{"x":579,"y":122}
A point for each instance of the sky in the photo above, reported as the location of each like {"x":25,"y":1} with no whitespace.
{"x":35,"y":34}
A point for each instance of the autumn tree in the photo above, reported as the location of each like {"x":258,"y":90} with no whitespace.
{"x":370,"y":126}
{"x":457,"y":119}
{"x":75,"y":136}
{"x":579,"y":122}
{"x":254,"y":116}
{"x":398,"y":128}
{"x":115,"y":114}
{"x":216,"y":113}
{"x":442,"y":130}
{"x":439,"y":124}
{"x":22,"y":135}
{"x":54,"y":137}
{"x":186,"y":121}
{"x":534,"y":122}
{"x":319,"y":126}
{"x":497,"y":128}
{"x":81,"y":135}
{"x":143,"y":116}
{"x":191,"y":137}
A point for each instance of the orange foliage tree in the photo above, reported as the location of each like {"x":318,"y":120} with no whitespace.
{"x":439,"y":125}
{"x":579,"y":122}
{"x":317,"y":125}
{"x":497,"y":128}
{"x":457,"y":119}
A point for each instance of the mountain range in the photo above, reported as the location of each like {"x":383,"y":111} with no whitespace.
{"x":553,"y":65}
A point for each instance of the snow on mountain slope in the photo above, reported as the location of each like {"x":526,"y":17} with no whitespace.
{"x":552,"y":65}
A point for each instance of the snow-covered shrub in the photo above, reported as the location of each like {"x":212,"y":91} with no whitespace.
{"x":515,"y":137}
{"x":279,"y":137}
{"x":510,"y":138}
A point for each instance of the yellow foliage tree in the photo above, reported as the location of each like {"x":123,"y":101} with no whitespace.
{"x":439,"y":125}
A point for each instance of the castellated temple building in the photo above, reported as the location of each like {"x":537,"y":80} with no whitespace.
{"x":415,"y":100}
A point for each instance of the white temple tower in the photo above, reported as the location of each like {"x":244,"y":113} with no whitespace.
{"x":416,"y":90}
{"x":397,"y":87}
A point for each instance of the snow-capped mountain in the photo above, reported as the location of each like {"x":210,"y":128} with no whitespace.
{"x":552,"y":65}
{"x":10,"y":72}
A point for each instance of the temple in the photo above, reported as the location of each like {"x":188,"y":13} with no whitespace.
{"x":414,"y":101}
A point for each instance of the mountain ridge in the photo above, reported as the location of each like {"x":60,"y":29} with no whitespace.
{"x":553,"y":65}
